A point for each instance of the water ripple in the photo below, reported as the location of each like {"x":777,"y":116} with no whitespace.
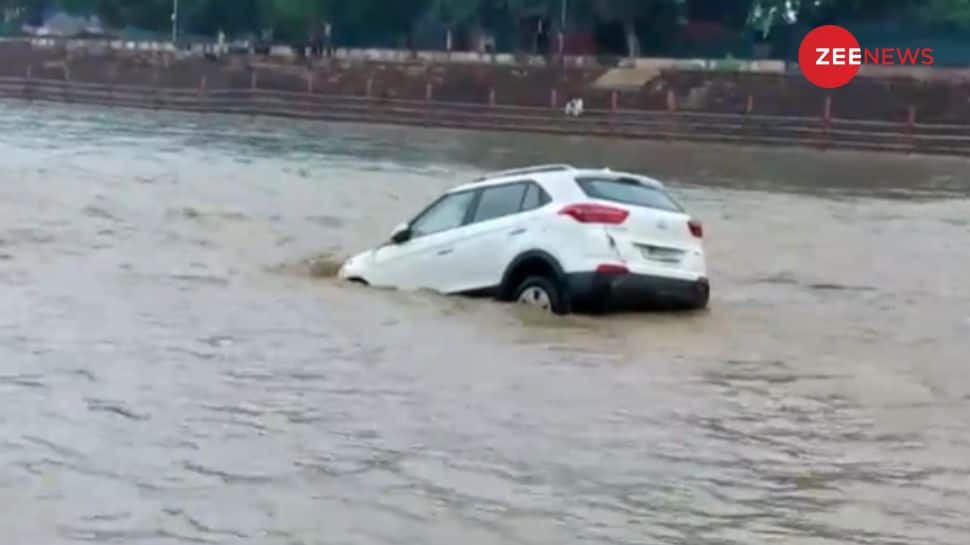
{"x":178,"y":364}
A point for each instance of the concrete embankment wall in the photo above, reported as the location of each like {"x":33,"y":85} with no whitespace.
{"x":885,"y":94}
{"x":755,"y":99}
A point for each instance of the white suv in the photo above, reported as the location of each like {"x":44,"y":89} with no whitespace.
{"x":554,"y":236}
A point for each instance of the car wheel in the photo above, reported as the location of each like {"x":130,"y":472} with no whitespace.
{"x":541,"y":293}
{"x":703,"y":298}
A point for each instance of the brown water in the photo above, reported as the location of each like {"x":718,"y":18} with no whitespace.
{"x":172,"y":371}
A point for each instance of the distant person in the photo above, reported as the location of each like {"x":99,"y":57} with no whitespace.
{"x":487,"y":44}
{"x":574,"y":108}
{"x":328,"y":39}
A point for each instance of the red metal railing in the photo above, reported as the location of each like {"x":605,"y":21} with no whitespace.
{"x":824,"y":131}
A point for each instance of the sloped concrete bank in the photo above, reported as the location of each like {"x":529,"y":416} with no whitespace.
{"x":906,"y":111}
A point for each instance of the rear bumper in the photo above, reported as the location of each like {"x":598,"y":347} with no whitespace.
{"x":598,"y":291}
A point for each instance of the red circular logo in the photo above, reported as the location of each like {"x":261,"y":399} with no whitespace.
{"x":830,"y":56}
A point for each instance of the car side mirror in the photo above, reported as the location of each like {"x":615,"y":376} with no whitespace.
{"x":401,"y":234}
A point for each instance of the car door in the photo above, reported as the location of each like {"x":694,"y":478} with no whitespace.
{"x":425,"y":259}
{"x":498,"y":229}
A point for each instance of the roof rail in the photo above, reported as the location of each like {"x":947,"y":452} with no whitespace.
{"x":538,"y":169}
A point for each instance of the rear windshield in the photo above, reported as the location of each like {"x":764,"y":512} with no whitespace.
{"x":628,"y":191}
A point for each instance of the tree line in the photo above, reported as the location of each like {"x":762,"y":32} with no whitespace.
{"x":295,"y":20}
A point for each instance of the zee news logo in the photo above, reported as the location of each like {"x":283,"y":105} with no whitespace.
{"x":830,"y":56}
{"x":840,"y":56}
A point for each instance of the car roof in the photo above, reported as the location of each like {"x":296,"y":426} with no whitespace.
{"x":550,"y":176}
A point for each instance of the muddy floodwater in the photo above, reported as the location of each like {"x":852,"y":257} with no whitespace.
{"x":177,"y":364}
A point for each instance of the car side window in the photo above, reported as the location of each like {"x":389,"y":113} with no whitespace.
{"x":499,"y":201}
{"x":534,"y":198}
{"x":447,"y":213}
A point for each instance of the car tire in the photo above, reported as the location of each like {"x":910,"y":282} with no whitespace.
{"x":703,"y":298}
{"x":541,"y":292}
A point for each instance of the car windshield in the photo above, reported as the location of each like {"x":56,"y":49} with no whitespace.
{"x":628,"y":191}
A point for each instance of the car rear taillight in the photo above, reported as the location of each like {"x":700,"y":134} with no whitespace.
{"x":696,"y":228}
{"x":596,"y":213}
{"x":612,"y":269}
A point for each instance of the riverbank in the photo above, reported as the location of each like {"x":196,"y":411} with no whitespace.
{"x":873,"y":113}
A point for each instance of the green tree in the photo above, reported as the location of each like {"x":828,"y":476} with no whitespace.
{"x":947,"y":13}
{"x":234,"y":17}
{"x":766,"y":15}
{"x":292,"y":20}
{"x":362,"y":18}
{"x":632,"y":12}
{"x":453,"y":13}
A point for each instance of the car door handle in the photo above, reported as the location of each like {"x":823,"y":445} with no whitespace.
{"x":446,"y":252}
{"x":517,"y":232}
